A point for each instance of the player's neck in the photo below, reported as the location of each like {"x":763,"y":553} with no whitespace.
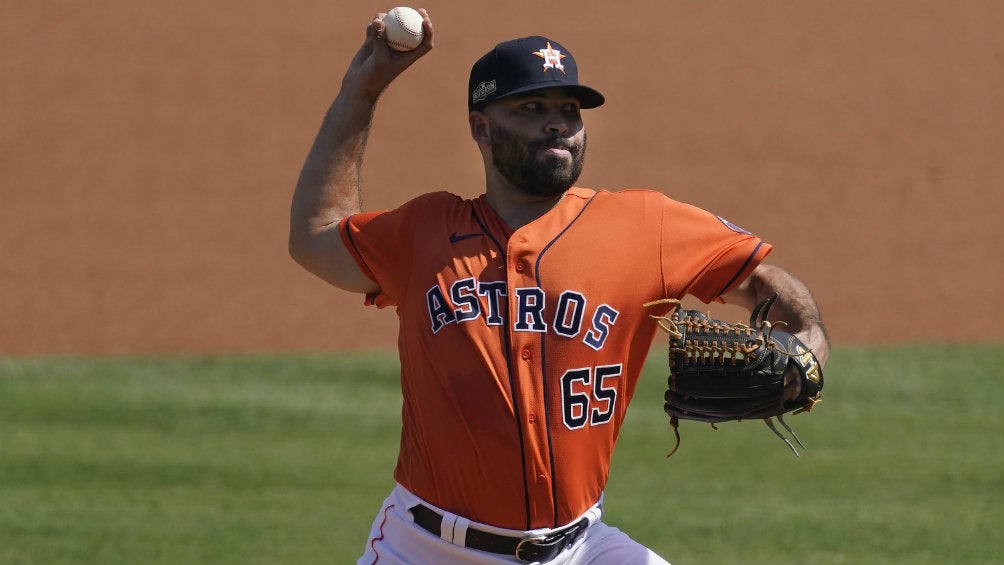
{"x":518,"y":209}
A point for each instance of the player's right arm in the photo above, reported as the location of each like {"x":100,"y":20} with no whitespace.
{"x":330,"y":184}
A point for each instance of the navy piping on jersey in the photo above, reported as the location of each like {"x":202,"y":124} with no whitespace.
{"x":348,"y":233}
{"x":741,"y":269}
{"x":507,"y":337}
{"x":543,"y":364}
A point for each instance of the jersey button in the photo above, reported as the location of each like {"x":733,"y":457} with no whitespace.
{"x":532,"y":418}
{"x":519,"y":267}
{"x":525,"y":354}
{"x":541,"y":479}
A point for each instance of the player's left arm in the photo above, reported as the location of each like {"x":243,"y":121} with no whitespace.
{"x":795,"y":305}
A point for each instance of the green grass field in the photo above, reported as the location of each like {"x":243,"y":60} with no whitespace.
{"x":285,"y":459}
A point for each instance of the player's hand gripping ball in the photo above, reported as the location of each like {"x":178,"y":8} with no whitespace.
{"x":403,"y":28}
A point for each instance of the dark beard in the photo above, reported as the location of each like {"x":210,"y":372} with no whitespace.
{"x":531,"y":170}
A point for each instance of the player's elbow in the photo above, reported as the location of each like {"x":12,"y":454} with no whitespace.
{"x":324,"y":255}
{"x":306,"y":249}
{"x":298,"y":248}
{"x":306,"y":255}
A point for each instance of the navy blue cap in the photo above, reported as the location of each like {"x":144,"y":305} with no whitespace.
{"x":524,"y":65}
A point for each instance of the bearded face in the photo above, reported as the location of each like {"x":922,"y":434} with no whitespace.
{"x":531,"y":167}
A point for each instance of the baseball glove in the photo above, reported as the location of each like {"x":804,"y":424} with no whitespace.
{"x":719,"y":372}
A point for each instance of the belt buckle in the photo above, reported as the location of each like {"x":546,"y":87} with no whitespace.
{"x":531,"y":541}
{"x":548,"y":547}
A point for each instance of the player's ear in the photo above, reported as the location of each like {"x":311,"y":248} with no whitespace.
{"x":479,"y":128}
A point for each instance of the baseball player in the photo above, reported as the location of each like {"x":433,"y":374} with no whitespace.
{"x":522,"y":330}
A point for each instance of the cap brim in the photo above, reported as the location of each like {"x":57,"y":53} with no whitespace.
{"x":588,"y":97}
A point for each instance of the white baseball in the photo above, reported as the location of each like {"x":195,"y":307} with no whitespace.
{"x":403,"y":28}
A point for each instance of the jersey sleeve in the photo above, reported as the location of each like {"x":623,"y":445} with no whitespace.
{"x":380,"y":243}
{"x":387,"y":245}
{"x":361,"y":234}
{"x":705,"y":255}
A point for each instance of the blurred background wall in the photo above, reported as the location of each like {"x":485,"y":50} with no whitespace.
{"x":149,"y":149}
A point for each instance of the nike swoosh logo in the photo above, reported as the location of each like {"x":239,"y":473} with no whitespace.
{"x":454,"y":237}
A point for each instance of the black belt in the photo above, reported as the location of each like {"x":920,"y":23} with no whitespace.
{"x":539,"y":548}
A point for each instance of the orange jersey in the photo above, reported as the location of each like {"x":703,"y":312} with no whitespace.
{"x":520,"y":349}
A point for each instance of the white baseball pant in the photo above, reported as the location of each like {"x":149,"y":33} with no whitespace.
{"x":396,"y":540}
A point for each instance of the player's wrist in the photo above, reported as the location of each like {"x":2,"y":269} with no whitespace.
{"x":357,"y":92}
{"x":792,"y":384}
{"x":814,"y":337}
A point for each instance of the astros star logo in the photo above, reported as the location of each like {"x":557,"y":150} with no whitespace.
{"x":552,"y":58}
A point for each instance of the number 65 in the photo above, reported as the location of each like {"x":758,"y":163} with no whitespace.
{"x":595,"y":407}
